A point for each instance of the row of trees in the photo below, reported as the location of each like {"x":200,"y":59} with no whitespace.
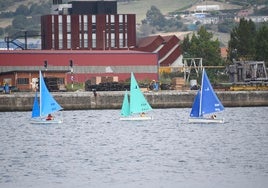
{"x":201,"y":45}
{"x":247,"y":42}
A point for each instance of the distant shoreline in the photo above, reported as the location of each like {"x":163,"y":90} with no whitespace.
{"x":22,"y":101}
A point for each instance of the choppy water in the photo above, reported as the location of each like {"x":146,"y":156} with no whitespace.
{"x":94,"y":149}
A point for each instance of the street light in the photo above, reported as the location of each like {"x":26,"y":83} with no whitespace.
{"x":72,"y":70}
{"x":45,"y":64}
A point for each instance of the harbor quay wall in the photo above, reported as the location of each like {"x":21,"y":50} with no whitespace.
{"x":19,"y":101}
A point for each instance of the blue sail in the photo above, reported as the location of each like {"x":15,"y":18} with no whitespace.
{"x":210,"y":103}
{"x":47,"y":103}
{"x":196,"y":105}
{"x":138,"y":103}
{"x":125,"y":110}
{"x":206,"y":100}
{"x":36,"y":108}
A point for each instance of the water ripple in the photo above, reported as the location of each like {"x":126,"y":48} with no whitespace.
{"x":94,"y":149}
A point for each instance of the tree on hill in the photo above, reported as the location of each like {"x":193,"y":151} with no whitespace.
{"x":22,"y":10}
{"x":155,"y":19}
{"x":202,"y":46}
{"x":248,"y":43}
{"x":242,"y":41}
{"x":262,"y":44}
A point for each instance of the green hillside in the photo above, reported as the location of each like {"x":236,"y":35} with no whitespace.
{"x":140,"y":7}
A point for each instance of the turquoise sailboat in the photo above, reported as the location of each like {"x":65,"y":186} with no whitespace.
{"x":206,"y":102}
{"x":136,"y":103}
{"x":45,"y":105}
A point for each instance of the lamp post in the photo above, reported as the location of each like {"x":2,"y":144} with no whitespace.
{"x":45,"y":64}
{"x":72,"y":70}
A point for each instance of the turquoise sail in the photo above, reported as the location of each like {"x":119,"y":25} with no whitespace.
{"x":206,"y":100}
{"x":36,"y":107}
{"x":138,"y":103}
{"x":125,"y":110}
{"x":48,"y":104}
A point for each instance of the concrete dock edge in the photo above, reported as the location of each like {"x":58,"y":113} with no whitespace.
{"x":113,"y":99}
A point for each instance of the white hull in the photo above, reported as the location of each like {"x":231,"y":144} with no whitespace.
{"x":44,"y":121}
{"x":136,"y":118}
{"x":205,"y":120}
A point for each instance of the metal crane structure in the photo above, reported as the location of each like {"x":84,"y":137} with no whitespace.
{"x":248,"y":75}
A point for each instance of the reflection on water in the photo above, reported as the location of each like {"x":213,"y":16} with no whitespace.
{"x":94,"y":149}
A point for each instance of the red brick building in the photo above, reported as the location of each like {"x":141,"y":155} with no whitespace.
{"x":92,"y":25}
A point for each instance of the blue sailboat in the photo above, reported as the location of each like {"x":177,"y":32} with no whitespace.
{"x":136,"y":103}
{"x":206,"y":102}
{"x":45,"y":105}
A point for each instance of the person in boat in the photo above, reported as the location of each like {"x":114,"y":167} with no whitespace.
{"x":142,"y":114}
{"x":49,"y":117}
{"x":213,"y":116}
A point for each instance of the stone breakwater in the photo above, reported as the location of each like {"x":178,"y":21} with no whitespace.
{"x":113,"y":99}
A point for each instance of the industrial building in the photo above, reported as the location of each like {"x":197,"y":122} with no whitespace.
{"x":87,"y":39}
{"x":79,"y":65}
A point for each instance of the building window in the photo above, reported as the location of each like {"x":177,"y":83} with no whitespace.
{"x":80,"y":23}
{"x":120,"y":18}
{"x":112,"y":18}
{"x":121,"y":28}
{"x":53,"y":33}
{"x":68,"y":24}
{"x":126,"y":42}
{"x":69,"y":41}
{"x":94,"y":42}
{"x":85,"y":40}
{"x":22,"y":81}
{"x":121,"y":40}
{"x":60,"y":43}
{"x":85,"y":23}
{"x":112,"y":40}
{"x":60,"y":33}
{"x":94,"y":19}
{"x":107,"y":19}
{"x":81,"y":40}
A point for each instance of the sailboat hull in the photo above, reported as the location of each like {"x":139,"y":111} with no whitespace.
{"x":44,"y":121}
{"x":205,"y":120}
{"x":136,"y":118}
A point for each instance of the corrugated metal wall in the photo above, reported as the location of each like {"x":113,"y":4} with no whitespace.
{"x":86,"y":64}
